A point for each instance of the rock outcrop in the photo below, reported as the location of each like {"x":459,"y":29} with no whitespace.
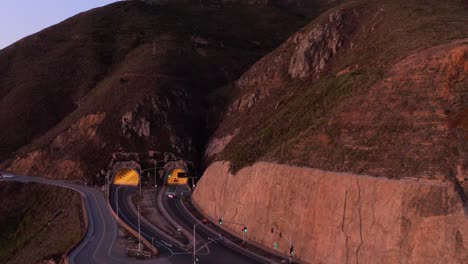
{"x":338,"y":217}
{"x":57,"y":159}
{"x":305,"y":54}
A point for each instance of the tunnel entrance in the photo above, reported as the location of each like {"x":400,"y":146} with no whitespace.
{"x":126,"y":176}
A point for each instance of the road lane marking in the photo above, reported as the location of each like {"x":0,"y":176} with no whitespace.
{"x":145,"y":234}
{"x":103,"y":224}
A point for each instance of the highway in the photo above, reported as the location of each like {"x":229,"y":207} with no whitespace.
{"x":217,"y":251}
{"x":224,"y":249}
{"x":99,"y":243}
{"x":119,"y":197}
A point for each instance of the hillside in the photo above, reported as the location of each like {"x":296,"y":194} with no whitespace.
{"x":126,"y":78}
{"x":37,"y":222}
{"x":350,"y":138}
{"x":349,"y":119}
{"x":370,"y":87}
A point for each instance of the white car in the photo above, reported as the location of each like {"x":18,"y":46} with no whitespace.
{"x":4,"y":175}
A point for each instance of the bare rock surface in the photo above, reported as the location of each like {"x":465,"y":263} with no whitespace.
{"x":339,"y":217}
{"x":54,"y":161}
{"x":216,"y":145}
{"x":305,"y":54}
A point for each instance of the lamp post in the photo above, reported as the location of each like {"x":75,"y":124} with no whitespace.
{"x":243,"y":221}
{"x":290,"y":238}
{"x":117,"y":200}
{"x":106,"y":185}
{"x":195,"y":241}
{"x":139,"y":171}
{"x":244,"y":229}
{"x":139,"y":229}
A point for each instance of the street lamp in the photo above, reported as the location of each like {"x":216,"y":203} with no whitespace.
{"x":195,"y":239}
{"x":139,"y":229}
{"x":244,"y":229}
{"x":139,"y":171}
{"x":117,"y":200}
{"x":291,"y":248}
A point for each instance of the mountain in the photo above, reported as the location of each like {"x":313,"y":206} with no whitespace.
{"x":343,"y":122}
{"x":127,"y":78}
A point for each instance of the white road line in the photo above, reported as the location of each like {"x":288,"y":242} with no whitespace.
{"x":134,"y":227}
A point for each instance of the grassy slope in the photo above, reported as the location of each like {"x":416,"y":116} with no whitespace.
{"x":25,"y":212}
{"x":307,"y":106}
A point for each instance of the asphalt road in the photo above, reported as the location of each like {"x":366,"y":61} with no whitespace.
{"x":99,"y":243}
{"x":218,"y":252}
{"x":98,"y":246}
{"x":223,"y":249}
{"x":119,"y":199}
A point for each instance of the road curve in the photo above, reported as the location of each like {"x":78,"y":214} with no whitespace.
{"x":99,"y":243}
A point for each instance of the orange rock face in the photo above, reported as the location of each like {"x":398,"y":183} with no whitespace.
{"x":338,"y":217}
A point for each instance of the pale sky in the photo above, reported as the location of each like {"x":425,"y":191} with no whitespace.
{"x":21,"y":18}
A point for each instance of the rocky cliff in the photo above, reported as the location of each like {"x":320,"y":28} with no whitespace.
{"x":339,"y":217}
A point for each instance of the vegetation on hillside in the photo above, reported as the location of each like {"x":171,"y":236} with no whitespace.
{"x":37,"y":222}
{"x":295,"y":123}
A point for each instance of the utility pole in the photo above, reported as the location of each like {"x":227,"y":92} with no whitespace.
{"x":243,"y":222}
{"x":139,"y":230}
{"x":195,"y":240}
{"x":139,"y":176}
{"x":194,"y":243}
{"x":155,"y":184}
{"x":105,"y":186}
{"x":290,"y":239}
{"x":243,"y":233}
{"x":117,"y":201}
